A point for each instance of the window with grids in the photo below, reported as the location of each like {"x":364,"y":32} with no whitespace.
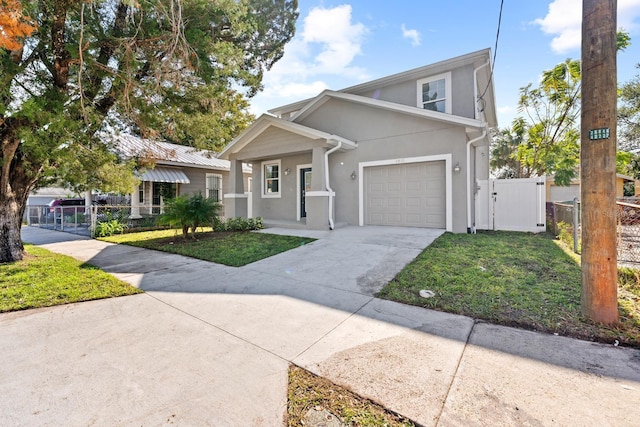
{"x":434,"y":93}
{"x":271,"y":178}
{"x":214,"y":187}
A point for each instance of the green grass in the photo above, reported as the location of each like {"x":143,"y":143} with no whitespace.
{"x":307,"y":391}
{"x":44,"y":279}
{"x":229,"y":248}
{"x":514,"y":279}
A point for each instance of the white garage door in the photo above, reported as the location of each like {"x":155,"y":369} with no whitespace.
{"x":409,"y":195}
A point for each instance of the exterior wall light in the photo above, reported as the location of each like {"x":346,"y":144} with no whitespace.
{"x":353,"y":175}
{"x":457,"y":168}
{"x":287,"y":171}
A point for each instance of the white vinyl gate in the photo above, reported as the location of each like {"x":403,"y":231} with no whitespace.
{"x":511,"y":205}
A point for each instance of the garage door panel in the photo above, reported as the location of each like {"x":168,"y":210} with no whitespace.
{"x":414,"y":186}
{"x":410,"y":194}
{"x":414,"y":203}
{"x":394,"y":187}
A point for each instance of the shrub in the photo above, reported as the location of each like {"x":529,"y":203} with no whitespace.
{"x":189,"y":212}
{"x":109,"y":225}
{"x":109,"y":228}
{"x":238,"y":224}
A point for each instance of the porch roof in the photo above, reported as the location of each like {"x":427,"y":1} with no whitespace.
{"x":265,"y":122}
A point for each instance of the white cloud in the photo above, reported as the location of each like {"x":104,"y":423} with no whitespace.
{"x":413,"y":35}
{"x":296,"y":90}
{"x":504,"y":110}
{"x":339,"y":39}
{"x":564,"y":21}
{"x":325,"y":46}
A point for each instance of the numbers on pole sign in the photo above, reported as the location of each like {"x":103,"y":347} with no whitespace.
{"x":595,"y":134}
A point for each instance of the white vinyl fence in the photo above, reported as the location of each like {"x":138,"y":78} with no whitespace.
{"x":511,"y":205}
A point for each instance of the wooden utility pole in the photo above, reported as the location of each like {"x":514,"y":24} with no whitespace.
{"x":598,"y":161}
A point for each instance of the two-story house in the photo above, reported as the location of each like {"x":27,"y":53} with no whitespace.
{"x":403,"y":150}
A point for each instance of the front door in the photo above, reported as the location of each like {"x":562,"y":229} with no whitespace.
{"x":305,"y":185}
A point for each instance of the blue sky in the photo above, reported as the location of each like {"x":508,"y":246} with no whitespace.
{"x":343,"y":43}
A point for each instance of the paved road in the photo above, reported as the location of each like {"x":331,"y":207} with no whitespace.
{"x":210,"y":345}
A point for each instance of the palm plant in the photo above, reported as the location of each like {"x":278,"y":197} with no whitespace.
{"x":189,"y":212}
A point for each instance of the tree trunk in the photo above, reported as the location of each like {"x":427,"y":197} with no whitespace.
{"x":11,"y":248}
{"x":15,"y":184}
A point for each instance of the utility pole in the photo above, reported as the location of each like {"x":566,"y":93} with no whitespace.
{"x":598,"y":161}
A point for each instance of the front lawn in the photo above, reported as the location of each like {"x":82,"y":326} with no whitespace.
{"x":44,"y":279}
{"x":236,"y":248}
{"x":516,"y":279}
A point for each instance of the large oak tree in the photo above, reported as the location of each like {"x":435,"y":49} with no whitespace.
{"x":72,"y":72}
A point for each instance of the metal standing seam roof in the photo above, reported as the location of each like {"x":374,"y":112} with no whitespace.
{"x":165,"y":152}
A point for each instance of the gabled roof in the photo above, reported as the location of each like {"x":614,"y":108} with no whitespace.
{"x":474,"y":58}
{"x":326,"y":95}
{"x":265,"y":122}
{"x":167,"y":153}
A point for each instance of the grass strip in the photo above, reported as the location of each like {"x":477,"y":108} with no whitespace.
{"x":514,"y":279}
{"x":229,"y":248}
{"x":44,"y":279}
{"x":308,"y":392}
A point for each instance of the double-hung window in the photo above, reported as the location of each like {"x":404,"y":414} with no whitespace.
{"x":434,"y":93}
{"x":271,"y":178}
{"x":214,"y":187}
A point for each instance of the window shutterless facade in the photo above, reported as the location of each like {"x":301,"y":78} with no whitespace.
{"x":213,"y":187}
{"x":434,"y":93}
{"x":271,"y":171}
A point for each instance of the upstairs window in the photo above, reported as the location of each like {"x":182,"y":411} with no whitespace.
{"x":434,"y":93}
{"x":214,"y":187}
{"x":271,"y":178}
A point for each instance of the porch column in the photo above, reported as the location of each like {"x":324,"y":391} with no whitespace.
{"x":235,"y":201}
{"x":135,"y":202}
{"x":317,"y":200}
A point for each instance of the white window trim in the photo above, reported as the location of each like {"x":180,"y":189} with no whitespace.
{"x":447,"y":88}
{"x":263,"y":193}
{"x":448,"y":182}
{"x":206,"y":186}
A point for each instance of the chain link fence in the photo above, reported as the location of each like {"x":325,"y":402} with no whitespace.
{"x":565,"y":222}
{"x":84,"y":220}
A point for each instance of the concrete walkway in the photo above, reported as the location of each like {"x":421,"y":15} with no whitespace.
{"x":210,"y":345}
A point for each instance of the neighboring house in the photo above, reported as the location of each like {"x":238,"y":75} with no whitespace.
{"x":565,"y":193}
{"x":43,"y":196}
{"x":403,"y":150}
{"x":178,"y":170}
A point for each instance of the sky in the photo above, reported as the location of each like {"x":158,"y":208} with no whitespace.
{"x":342,"y":43}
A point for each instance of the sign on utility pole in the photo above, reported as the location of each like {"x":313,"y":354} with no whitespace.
{"x":598,"y":161}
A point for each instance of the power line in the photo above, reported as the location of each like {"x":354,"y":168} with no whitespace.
{"x":495,"y":52}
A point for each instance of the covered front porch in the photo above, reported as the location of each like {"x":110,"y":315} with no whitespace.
{"x":291,"y":181}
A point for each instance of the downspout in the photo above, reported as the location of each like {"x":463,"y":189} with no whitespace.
{"x":326,"y":181}
{"x":470,"y":228}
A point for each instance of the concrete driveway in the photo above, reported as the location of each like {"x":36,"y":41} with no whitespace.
{"x":210,"y":345}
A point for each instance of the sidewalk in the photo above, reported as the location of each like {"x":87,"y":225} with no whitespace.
{"x":210,"y":345}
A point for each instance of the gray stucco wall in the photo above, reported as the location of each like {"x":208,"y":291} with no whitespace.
{"x":407,"y":92}
{"x":285,"y":207}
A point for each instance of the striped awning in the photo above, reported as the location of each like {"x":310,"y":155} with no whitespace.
{"x":160,"y":174}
